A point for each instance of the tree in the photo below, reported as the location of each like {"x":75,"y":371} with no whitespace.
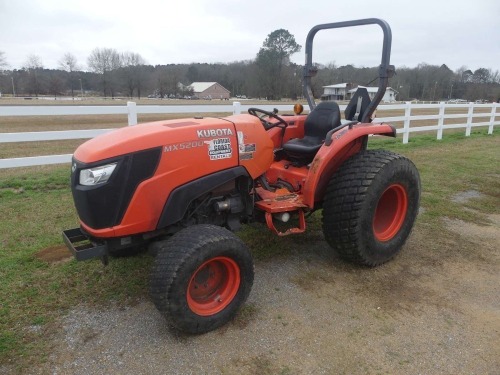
{"x":33,"y":66}
{"x":69,"y":64}
{"x":193,"y":73}
{"x":104,"y":61}
{"x":55,"y":84}
{"x":3,"y":62}
{"x":131,"y":72}
{"x":272,"y":59}
{"x":481,"y":75}
{"x":467,"y":76}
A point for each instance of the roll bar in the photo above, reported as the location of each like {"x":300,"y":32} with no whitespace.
{"x":386,"y":70}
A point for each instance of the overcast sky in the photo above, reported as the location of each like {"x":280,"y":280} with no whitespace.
{"x":436,"y":32}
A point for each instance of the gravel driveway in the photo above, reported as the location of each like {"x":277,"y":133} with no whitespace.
{"x":434,"y":309}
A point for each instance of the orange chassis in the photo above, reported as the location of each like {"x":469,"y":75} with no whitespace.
{"x":310,"y":181}
{"x":242,"y":141}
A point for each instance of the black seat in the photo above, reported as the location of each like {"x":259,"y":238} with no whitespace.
{"x":322,"y":119}
{"x":357,"y":105}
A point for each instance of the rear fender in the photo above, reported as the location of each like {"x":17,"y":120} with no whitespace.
{"x":345,"y":142}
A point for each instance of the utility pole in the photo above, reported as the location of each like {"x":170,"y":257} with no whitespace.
{"x":81,"y":87}
{"x":13,"y":88}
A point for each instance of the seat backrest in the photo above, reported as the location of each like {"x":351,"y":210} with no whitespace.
{"x":357,"y":105}
{"x":323,"y":118}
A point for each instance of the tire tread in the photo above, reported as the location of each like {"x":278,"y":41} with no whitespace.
{"x":344,"y":197}
{"x":171,"y":257}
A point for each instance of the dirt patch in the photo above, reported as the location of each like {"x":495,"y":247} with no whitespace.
{"x":54,"y":254}
{"x":465,"y":196}
{"x":477,"y":232}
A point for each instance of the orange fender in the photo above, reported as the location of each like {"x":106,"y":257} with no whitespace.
{"x":345,"y":142}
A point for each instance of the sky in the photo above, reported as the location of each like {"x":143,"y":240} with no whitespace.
{"x":456,"y":33}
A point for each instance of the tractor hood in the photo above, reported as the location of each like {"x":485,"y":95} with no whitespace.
{"x":151,"y":135}
{"x":121,"y":180}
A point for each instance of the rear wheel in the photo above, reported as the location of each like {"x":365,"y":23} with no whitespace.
{"x":201,"y":277}
{"x":370,"y":206}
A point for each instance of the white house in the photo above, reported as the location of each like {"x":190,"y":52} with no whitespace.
{"x":336,"y":92}
{"x":389,"y":96}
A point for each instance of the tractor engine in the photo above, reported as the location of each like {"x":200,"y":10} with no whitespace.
{"x":228,"y":206}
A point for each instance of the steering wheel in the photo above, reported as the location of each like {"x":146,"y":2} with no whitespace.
{"x":267,"y":125}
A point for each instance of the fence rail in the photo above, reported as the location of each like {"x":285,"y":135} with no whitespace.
{"x":132,"y":110}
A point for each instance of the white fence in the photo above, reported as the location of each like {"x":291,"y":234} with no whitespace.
{"x":131,"y":110}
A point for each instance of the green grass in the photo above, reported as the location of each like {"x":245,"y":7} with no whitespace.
{"x":36,"y":205}
{"x":33,"y":293}
{"x":452,"y":165}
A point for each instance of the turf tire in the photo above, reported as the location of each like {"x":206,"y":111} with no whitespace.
{"x":370,"y":206}
{"x":194,"y":253}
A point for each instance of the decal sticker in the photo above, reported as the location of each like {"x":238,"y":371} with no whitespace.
{"x":245,"y":147}
{"x":209,"y":133}
{"x":241,"y":141}
{"x":219,"y":148}
{"x":249,"y":147}
{"x":182,"y":146}
{"x":246,"y":155}
{"x":340,"y":135}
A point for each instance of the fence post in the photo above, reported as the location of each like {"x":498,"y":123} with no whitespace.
{"x":236,"y":108}
{"x":469,"y":119}
{"x":492,"y":118}
{"x":406,"y":126}
{"x":440,"y":121}
{"x":132,"y":113}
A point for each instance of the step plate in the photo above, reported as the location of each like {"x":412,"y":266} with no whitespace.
{"x":279,"y":201}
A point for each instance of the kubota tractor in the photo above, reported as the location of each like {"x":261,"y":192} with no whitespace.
{"x":182,"y":186}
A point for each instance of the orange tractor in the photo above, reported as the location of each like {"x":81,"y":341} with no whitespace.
{"x":183,"y":186}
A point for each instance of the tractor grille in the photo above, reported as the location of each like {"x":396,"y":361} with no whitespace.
{"x":103,"y":205}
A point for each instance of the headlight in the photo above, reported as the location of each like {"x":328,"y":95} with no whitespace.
{"x":96,"y":175}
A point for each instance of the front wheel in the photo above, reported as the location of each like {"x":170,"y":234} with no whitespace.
{"x":201,"y":277}
{"x":370,"y":206}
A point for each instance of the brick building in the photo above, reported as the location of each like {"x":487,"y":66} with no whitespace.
{"x":210,"y":90}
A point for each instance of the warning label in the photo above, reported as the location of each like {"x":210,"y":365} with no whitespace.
{"x":249,"y":147}
{"x":219,"y":148}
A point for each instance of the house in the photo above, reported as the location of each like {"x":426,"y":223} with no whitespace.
{"x":389,"y":96}
{"x":336,"y":92}
{"x":210,"y":90}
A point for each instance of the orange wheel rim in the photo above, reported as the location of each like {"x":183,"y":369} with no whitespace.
{"x":213,"y":286}
{"x":390,"y":213}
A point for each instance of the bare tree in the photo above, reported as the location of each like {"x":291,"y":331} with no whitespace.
{"x":167,"y":79}
{"x":132,"y":59}
{"x":55,"y":84}
{"x":132,"y":72}
{"x":69,"y":64}
{"x":33,"y":66}
{"x":105,"y":61}
{"x":495,"y":76}
{"x":3,"y":62}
